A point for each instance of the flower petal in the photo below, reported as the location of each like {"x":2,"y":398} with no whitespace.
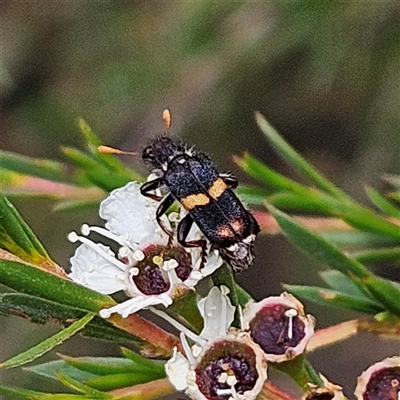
{"x":137,"y":303}
{"x":90,"y":269}
{"x":177,"y":369}
{"x":217,"y":312}
{"x":127,"y":212}
{"x":213,"y":262}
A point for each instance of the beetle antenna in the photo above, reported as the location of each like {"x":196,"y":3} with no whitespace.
{"x":166,"y":116}
{"x":111,"y":150}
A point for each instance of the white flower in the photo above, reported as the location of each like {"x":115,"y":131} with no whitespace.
{"x":279,"y":325}
{"x":144,"y":265}
{"x":223,"y":363}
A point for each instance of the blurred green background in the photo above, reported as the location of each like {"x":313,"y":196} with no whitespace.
{"x":325,"y":73}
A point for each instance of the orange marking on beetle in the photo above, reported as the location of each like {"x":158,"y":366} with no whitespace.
{"x":195,"y":200}
{"x":217,"y":188}
{"x":237,"y":225}
{"x":225,"y":231}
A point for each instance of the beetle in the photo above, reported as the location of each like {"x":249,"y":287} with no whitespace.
{"x":207,"y":195}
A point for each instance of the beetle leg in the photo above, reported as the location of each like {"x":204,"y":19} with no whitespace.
{"x":161,"y":210}
{"x":230,"y":180}
{"x":148,"y":187}
{"x":183,"y":230}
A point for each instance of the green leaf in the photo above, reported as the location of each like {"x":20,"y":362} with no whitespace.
{"x":377,"y":255}
{"x":108,"y":160}
{"x":333,"y":298}
{"x":385,"y":292}
{"x":13,"y":393}
{"x":381,"y":202}
{"x":269,"y":177}
{"x":143,"y":362}
{"x":111,"y":382}
{"x":47,"y":345}
{"x":315,"y":378}
{"x":17,"y":237}
{"x":98,"y":173}
{"x":185,"y":307}
{"x":80,"y":387}
{"x":362,"y":218}
{"x":31,"y":280}
{"x":300,"y":163}
{"x":62,"y":396}
{"x":45,"y":169}
{"x":114,"y":365}
{"x":294,"y":202}
{"x":42,"y":311}
{"x":74,"y":205}
{"x":252,"y":195}
{"x":356,"y":238}
{"x":318,"y":248}
{"x":243,"y":296}
{"x":340,"y":282}
{"x":49,"y":369}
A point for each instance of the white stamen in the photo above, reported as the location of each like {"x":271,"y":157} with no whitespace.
{"x":179,"y":326}
{"x":196,"y":350}
{"x":241,"y":317}
{"x":90,"y":268}
{"x":186,"y":347}
{"x":124,"y":252}
{"x":223,"y":377}
{"x":231,"y":380}
{"x":134,"y":271}
{"x":170,"y":264}
{"x":291,"y":313}
{"x":138,"y":255}
{"x":223,"y":392}
{"x":86,"y":229}
{"x":222,"y":326}
{"x":104,"y":313}
{"x":73,"y":237}
{"x":173,"y":278}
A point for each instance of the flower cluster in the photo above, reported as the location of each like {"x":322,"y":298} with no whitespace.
{"x":133,"y":254}
{"x":224,"y":363}
{"x":228,"y":363}
{"x":139,"y":258}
